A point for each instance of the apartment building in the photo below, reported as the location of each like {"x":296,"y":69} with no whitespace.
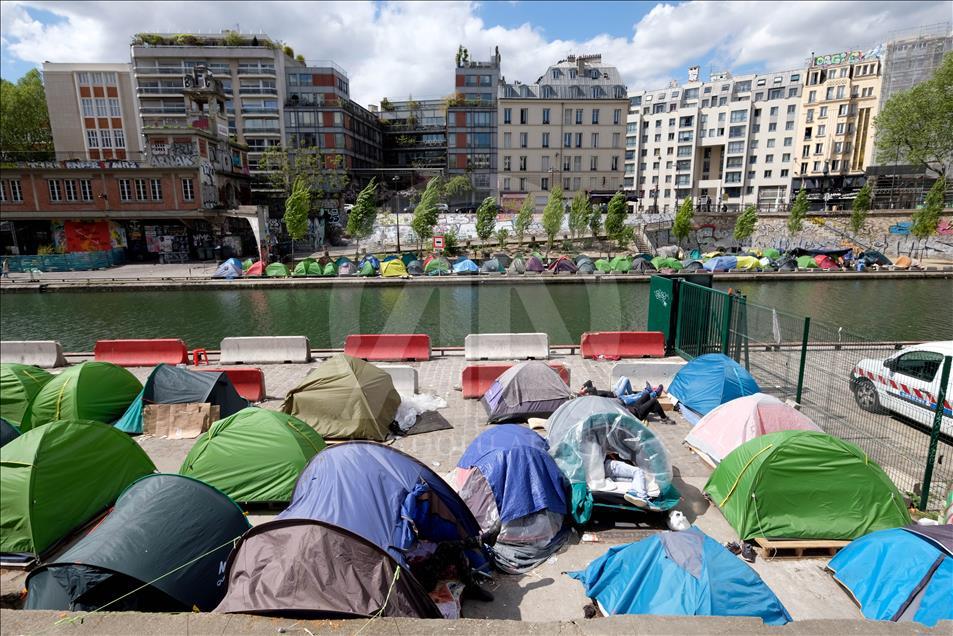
{"x":835,"y":132}
{"x":415,"y":136}
{"x":913,"y":58}
{"x":565,"y":129}
{"x":472,"y":124}
{"x":724,"y":143}
{"x":93,"y":111}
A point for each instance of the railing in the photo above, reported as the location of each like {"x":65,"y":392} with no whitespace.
{"x":257,"y":90}
{"x":160,"y":70}
{"x":256,"y":70}
{"x":163,"y":110}
{"x":160,"y":90}
{"x":256,"y":110}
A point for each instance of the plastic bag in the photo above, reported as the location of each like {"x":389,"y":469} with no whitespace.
{"x":412,"y":405}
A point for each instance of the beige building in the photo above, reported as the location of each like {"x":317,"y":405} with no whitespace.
{"x":566,"y":129}
{"x":93,"y":112}
{"x":835,"y":132}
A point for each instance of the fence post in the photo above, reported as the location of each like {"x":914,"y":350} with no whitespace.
{"x":800,"y":369}
{"x":935,"y":433}
{"x":726,"y":324}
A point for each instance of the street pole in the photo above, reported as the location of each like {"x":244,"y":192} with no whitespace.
{"x":397,"y":212}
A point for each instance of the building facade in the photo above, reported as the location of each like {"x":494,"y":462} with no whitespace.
{"x":93,"y":111}
{"x":414,"y":137}
{"x":566,"y":129}
{"x":724,"y":143}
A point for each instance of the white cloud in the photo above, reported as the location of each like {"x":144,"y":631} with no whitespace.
{"x":396,"y":49}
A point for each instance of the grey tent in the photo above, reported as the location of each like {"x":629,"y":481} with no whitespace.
{"x":503,"y":258}
{"x":787,"y":264}
{"x":690,"y":265}
{"x":415,"y":268}
{"x":580,"y":258}
{"x":518,"y":266}
{"x":161,"y":548}
{"x":642,"y":266}
{"x":585,"y":266}
{"x":528,"y":389}
{"x":492,"y":266}
{"x":534,"y":265}
{"x":8,"y":432}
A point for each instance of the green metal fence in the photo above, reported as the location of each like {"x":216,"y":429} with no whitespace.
{"x":827,"y":371}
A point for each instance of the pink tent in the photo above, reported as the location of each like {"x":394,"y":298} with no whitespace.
{"x":825,"y":262}
{"x":735,"y":422}
{"x":257,"y":269}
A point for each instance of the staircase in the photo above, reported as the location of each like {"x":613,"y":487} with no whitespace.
{"x":642,"y":242}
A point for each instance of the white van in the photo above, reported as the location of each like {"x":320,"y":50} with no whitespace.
{"x":906,"y":383}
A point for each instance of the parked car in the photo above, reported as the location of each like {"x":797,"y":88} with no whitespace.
{"x":906,"y":383}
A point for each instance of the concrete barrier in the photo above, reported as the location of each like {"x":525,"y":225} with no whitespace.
{"x":476,"y":379}
{"x":265,"y":350}
{"x":404,"y":377}
{"x":506,"y":346}
{"x":652,"y":371}
{"x":622,"y":344}
{"x":392,"y":347}
{"x":248,"y":381}
{"x":141,"y":352}
{"x":45,"y":354}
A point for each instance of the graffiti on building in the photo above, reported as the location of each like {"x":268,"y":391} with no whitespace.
{"x":844,"y":57}
{"x":82,"y":164}
{"x":209,"y":188}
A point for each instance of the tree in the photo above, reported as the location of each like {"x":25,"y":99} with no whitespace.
{"x":595,"y":220}
{"x":25,"y":133}
{"x":927,"y":219}
{"x":858,"y":214}
{"x":553,"y":215}
{"x":297,"y":206}
{"x":798,"y":212}
{"x":578,"y":214}
{"x":746,"y":223}
{"x":524,"y":218}
{"x":682,"y":225}
{"x":918,"y":123}
{"x":360,"y":222}
{"x":615,"y":216}
{"x":486,"y":219}
{"x":455,"y":188}
{"x":501,"y":235}
{"x":625,"y":236}
{"x":426,"y":212}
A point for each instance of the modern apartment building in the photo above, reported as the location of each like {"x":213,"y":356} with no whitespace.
{"x":725,"y":143}
{"x":565,"y":129}
{"x":93,"y":111}
{"x":835,"y":132}
{"x":415,"y":135}
{"x":472,"y":124}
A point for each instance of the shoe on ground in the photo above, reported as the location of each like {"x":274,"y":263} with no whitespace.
{"x":733,"y":547}
{"x":747,"y":553}
{"x":633,"y":498}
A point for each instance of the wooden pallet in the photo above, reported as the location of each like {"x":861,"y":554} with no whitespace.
{"x":798,"y":548}
{"x":700,"y":455}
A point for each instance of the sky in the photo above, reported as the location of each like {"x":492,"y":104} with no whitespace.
{"x":402,"y":49}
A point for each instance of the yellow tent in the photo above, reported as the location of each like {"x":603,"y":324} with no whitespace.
{"x":393,"y":269}
{"x":714,"y":254}
{"x":747,"y":263}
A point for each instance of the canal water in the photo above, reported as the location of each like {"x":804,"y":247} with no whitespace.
{"x":874,"y":309}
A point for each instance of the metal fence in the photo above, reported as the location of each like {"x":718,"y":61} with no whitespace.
{"x":835,"y":376}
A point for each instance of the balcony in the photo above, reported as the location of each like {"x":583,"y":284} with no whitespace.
{"x":256,"y":90}
{"x":163,"y":110}
{"x":260,"y":110}
{"x":160,"y":90}
{"x":271,"y":130}
{"x":160,"y":70}
{"x":256,"y":70}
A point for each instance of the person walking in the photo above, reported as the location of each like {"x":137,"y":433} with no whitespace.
{"x":5,"y":271}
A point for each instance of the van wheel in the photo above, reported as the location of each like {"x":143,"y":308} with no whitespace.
{"x":865,"y":393}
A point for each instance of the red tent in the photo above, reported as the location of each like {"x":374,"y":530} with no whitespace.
{"x":257,"y":269}
{"x":825,"y":262}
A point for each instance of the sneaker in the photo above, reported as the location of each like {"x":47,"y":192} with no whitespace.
{"x":633,"y":498}
{"x":733,"y":547}
{"x":747,"y":552}
{"x":659,"y":389}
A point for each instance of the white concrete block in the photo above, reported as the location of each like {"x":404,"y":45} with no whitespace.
{"x":45,"y":354}
{"x":506,"y":346}
{"x":652,"y":371}
{"x":404,"y":377}
{"x":265,"y":350}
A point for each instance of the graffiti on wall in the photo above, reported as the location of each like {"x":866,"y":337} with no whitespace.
{"x":844,"y":57}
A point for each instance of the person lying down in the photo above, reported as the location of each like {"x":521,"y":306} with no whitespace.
{"x":641,"y":404}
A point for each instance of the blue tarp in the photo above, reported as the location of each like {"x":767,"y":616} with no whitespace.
{"x":884,"y":570}
{"x":523,"y":477}
{"x":679,"y":574}
{"x":232,"y":268}
{"x":711,"y":380}
{"x":373,"y":260}
{"x":721,"y":263}
{"x":465,"y":266}
{"x":381,"y":494}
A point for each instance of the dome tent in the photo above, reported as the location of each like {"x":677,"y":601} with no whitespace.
{"x":277,"y":270}
{"x":492,"y":266}
{"x":59,"y":476}
{"x":393,"y":268}
{"x":620,"y":264}
{"x":737,"y":421}
{"x":255,"y":455}
{"x":534,"y":264}
{"x":804,"y":484}
{"x":345,"y":398}
{"x":516,"y":492}
{"x":683,"y":573}
{"x":168,"y":384}
{"x":257,"y":269}
{"x":642,"y":266}
{"x":19,"y":384}
{"x":604,"y":266}
{"x":98,"y":391}
{"x":232,"y":268}
{"x":303,"y":267}
{"x":518,"y":266}
{"x":465,"y":266}
{"x":437,"y":267}
{"x":415,"y":268}
{"x":8,"y":432}
{"x":159,"y":549}
{"x":527,"y":389}
{"x":710,"y":380}
{"x":329,"y":269}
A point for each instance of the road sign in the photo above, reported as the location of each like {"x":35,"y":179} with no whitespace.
{"x":438,"y":242}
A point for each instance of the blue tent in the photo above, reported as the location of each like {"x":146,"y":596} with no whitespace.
{"x":900,"y":574}
{"x":711,"y":380}
{"x":679,"y":574}
{"x":721,"y":263}
{"x":373,"y":260}
{"x":382,"y":495}
{"x":232,"y":268}
{"x":465,"y":266}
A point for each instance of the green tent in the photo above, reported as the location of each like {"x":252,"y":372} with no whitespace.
{"x":57,"y":477}
{"x":341,"y":260}
{"x":277,"y":270}
{"x":255,"y":455}
{"x":98,"y":391}
{"x":437,"y":266}
{"x":804,"y":485}
{"x":345,"y":398}
{"x":315,"y":268}
{"x":806,"y":262}
{"x":770,"y":252}
{"x":330,"y":270}
{"x":620,"y":264}
{"x":246,"y":264}
{"x":660,"y":263}
{"x":367,"y":269}
{"x":19,"y":383}
{"x":303,"y":268}
{"x":604,"y":266}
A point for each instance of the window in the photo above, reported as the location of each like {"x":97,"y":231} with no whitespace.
{"x":615,"y":163}
{"x":578,"y":140}
{"x":594,"y":138}
{"x":684,"y":151}
{"x":188,"y":190}
{"x":141,"y":193}
{"x":101,"y":110}
{"x":114,"y":107}
{"x":578,"y":115}
{"x":576,"y":183}
{"x":567,"y":163}
{"x":732,"y":177}
{"x":616,"y":140}
{"x":685,"y":135}
{"x":835,"y":164}
{"x":524,"y":140}
{"x":55,"y":194}
{"x":577,"y":163}
{"x":806,"y":151}
{"x":507,"y":140}
{"x":818,"y":148}
{"x":544,"y":163}
{"x":16,"y":191}
{"x":821,"y":130}
{"x":545,"y":140}
{"x":830,"y":93}
{"x":595,"y":115}
{"x":105,"y":139}
{"x":812,"y":97}
{"x":753,"y":159}
{"x":522,"y":163}
{"x":87,"y":107}
{"x":784,"y":173}
{"x":92,"y":139}
{"x":840,"y":90}
{"x":822,"y":113}
{"x":786,"y":157}
{"x":524,"y":115}
{"x":736,"y":131}
{"x":594,"y":162}
{"x":70,"y":187}
{"x":792,"y":108}
{"x":522,"y":184}
{"x":507,"y":115}
{"x":617,"y":116}
{"x":735,"y":147}
{"x":567,"y":116}
{"x":769,"y":158}
{"x":545,"y":115}
{"x":739,"y":116}
{"x":774,"y":111}
{"x":544,"y":183}
{"x":567,"y":182}
{"x":125,"y":190}
{"x":734,"y":162}
{"x":119,"y":139}
{"x":921,"y":365}
{"x":507,"y":163}
{"x":838,"y":147}
{"x":771,"y":143}
{"x":789,"y":125}
{"x":157,"y":189}
{"x":840,"y":129}
{"x":772,"y":127}
{"x":567,"y":140}
{"x":751,"y":175}
{"x":810,"y":115}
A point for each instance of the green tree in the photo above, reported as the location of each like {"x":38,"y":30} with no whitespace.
{"x":861,"y":206}
{"x":917,"y":124}
{"x":682,"y":225}
{"x":426,"y":213}
{"x":455,"y":188}
{"x":625,"y":236}
{"x":579,"y":211}
{"x":615,"y":216}
{"x":798,"y":212}
{"x":524,"y":218}
{"x":595,"y":220}
{"x":745,"y":224}
{"x":297,"y":206}
{"x":360,"y":222}
{"x":502,"y":235}
{"x":553,"y":215}
{"x":25,"y":133}
{"x":927,"y":219}
{"x":486,"y":219}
